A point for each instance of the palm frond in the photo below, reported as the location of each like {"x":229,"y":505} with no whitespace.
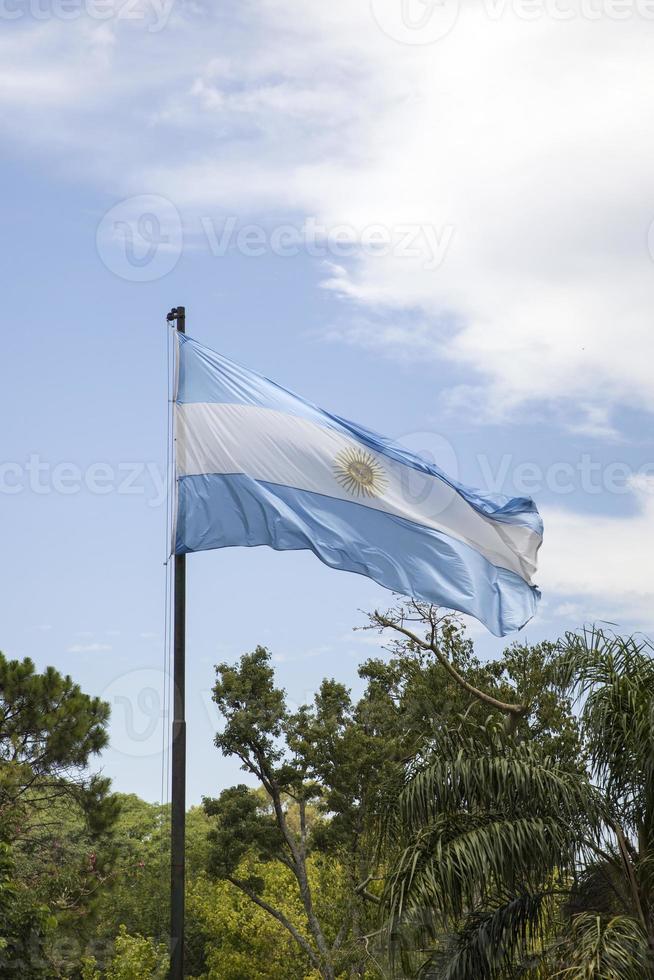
{"x":455,"y":864}
{"x":486,"y":771}
{"x":613,"y":679}
{"x":599,"y":949}
{"x":484,"y":817}
{"x":490,"y":941}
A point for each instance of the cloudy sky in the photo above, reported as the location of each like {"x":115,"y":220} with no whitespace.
{"x":432,"y":217}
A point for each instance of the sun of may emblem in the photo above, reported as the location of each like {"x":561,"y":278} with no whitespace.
{"x":359,"y":473}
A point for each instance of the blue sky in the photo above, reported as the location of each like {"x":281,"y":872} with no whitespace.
{"x":438,"y":228}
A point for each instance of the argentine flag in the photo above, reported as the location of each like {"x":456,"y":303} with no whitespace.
{"x":258,"y":465}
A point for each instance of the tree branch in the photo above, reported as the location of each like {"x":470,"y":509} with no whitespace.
{"x":299,"y":862}
{"x":281,"y":918}
{"x":514,"y":711}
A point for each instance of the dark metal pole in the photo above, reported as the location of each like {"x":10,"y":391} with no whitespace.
{"x":178,"y":789}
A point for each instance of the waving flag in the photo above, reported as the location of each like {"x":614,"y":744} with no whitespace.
{"x":258,"y":465}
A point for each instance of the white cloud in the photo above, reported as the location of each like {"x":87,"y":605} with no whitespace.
{"x":605,"y":562}
{"x":89,"y":648}
{"x":528,"y":138}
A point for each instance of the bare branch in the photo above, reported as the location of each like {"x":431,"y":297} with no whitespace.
{"x":428,"y":615}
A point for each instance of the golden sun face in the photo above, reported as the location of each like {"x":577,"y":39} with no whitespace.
{"x":359,"y":473}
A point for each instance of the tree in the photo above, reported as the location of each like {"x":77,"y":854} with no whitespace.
{"x":489,"y":827}
{"x":49,"y":730}
{"x":435,"y":678}
{"x":316,"y":760}
{"x":612,"y":900}
{"x":223,"y":933}
{"x":241,"y":940}
{"x":226,"y":937}
{"x":441,"y":634}
{"x":514,"y":860}
{"x":52,"y":811}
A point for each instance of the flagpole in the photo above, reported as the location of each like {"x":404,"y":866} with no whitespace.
{"x":178,"y":788}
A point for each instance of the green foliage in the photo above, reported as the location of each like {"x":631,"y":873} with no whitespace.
{"x":409,"y":832}
{"x":133,"y":958}
{"x":319,"y":770}
{"x":136,"y":892}
{"x":533,"y":852}
{"x":613,"y":678}
{"x":53,"y":812}
{"x":253,"y":708}
{"x":488,"y":825}
{"x":242,"y":941}
{"x":49,"y":806}
{"x":88,"y":969}
{"x":428,"y":697}
{"x":24,"y":926}
{"x":49,"y":729}
{"x":605,"y":949}
{"x":244,"y":825}
{"x":136,"y":958}
{"x":334,"y":770}
{"x":532,"y":675}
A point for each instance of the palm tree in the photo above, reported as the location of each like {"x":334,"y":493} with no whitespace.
{"x":511,"y":864}
{"x":613,"y":679}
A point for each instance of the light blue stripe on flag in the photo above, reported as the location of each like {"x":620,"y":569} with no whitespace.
{"x":257,"y":465}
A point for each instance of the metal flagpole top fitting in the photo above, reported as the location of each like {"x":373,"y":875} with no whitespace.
{"x":178,"y":316}
{"x":177,"y":313}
